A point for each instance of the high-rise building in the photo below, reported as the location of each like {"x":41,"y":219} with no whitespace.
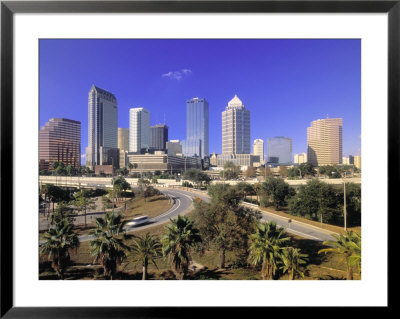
{"x":123,"y":146}
{"x":345,"y":161}
{"x":196,"y":142}
{"x":139,"y":129}
{"x":351,"y":159}
{"x":279,"y":150}
{"x":102,"y":125}
{"x":158,"y":137}
{"x":235,"y":128}
{"x":357,"y":161}
{"x":324,"y":142}
{"x":258,"y":149}
{"x":300,"y":158}
{"x":60,"y":141}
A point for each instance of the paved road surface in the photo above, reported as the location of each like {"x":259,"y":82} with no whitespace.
{"x":183,"y":205}
{"x":295,"y":227}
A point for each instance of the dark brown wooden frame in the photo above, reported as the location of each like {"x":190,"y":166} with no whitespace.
{"x":8,"y":8}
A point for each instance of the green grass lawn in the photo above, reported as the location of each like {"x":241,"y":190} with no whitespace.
{"x":151,"y":206}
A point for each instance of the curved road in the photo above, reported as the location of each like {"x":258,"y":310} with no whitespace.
{"x":183,"y":205}
{"x":295,"y":227}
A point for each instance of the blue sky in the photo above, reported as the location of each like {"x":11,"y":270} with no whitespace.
{"x":285,"y":84}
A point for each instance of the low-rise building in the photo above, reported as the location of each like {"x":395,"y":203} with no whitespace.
{"x":174,"y":147}
{"x":300,"y":158}
{"x":237,"y":159}
{"x":160,"y":161}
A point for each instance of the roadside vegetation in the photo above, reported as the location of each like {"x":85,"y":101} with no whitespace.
{"x":217,"y":240}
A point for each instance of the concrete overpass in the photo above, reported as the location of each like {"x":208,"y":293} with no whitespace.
{"x":105,"y":182}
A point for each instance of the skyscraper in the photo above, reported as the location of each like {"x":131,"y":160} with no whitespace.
{"x":123,"y":146}
{"x":60,"y":141}
{"x":102,"y":126}
{"x":235,"y":128}
{"x":139,"y":129}
{"x":258,"y":149}
{"x":324,"y":142}
{"x":196,"y":142}
{"x":279,"y":150}
{"x":158,"y":137}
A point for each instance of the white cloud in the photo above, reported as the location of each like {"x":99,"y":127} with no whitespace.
{"x":186,"y":71}
{"x":177,"y":75}
{"x":83,"y":155}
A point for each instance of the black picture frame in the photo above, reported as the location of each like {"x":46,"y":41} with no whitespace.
{"x":9,"y":8}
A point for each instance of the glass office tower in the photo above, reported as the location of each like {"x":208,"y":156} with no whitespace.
{"x":196,"y":143}
{"x":279,"y":150}
{"x":102,"y":125}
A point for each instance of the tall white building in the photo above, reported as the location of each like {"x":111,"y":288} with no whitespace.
{"x":258,"y":149}
{"x":235,"y":128}
{"x":102,"y":126}
{"x":139,"y":129}
{"x":279,"y":150}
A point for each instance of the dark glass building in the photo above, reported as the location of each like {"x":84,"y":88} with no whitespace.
{"x":60,"y":141}
{"x":158,"y":137}
{"x":196,"y":143}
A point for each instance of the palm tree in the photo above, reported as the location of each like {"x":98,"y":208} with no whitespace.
{"x":83,"y":202}
{"x":108,"y":244}
{"x":181,"y":235}
{"x":292,"y":258}
{"x":265,"y":248}
{"x":59,"y":240}
{"x":146,"y":249}
{"x":349,"y":247}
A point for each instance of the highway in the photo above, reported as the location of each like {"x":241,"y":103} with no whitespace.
{"x":183,"y":205}
{"x":295,"y":227}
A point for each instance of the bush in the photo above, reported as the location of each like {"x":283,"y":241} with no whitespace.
{"x":187,"y":184}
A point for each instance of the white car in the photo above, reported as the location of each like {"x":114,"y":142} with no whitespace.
{"x":138,"y":221}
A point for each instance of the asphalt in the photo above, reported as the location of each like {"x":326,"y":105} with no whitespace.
{"x":183,"y":204}
{"x":294,"y":227}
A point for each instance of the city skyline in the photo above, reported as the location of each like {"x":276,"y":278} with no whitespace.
{"x":295,"y":81}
